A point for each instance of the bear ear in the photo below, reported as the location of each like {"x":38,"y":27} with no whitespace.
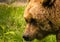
{"x":48,"y":2}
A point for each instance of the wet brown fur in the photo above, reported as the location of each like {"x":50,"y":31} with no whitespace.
{"x":43,"y":18}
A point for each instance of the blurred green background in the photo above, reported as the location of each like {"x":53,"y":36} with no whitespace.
{"x":12,"y":25}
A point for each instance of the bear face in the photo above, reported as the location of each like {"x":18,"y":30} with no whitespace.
{"x":40,"y":16}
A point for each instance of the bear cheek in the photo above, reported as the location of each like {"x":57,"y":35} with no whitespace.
{"x":39,"y":36}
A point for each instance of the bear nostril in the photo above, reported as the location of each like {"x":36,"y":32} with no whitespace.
{"x":26,"y":38}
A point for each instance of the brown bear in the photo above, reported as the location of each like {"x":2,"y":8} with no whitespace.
{"x":42,"y":18}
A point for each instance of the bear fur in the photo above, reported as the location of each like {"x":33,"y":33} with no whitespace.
{"x":42,"y":18}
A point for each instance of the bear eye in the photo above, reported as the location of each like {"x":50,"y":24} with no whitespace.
{"x":33,"y":21}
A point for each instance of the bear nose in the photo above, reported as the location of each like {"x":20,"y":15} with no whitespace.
{"x":26,"y":37}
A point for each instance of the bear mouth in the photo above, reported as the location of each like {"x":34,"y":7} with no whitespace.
{"x":28,"y":39}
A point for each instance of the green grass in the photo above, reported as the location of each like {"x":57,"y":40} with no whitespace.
{"x":12,"y":25}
